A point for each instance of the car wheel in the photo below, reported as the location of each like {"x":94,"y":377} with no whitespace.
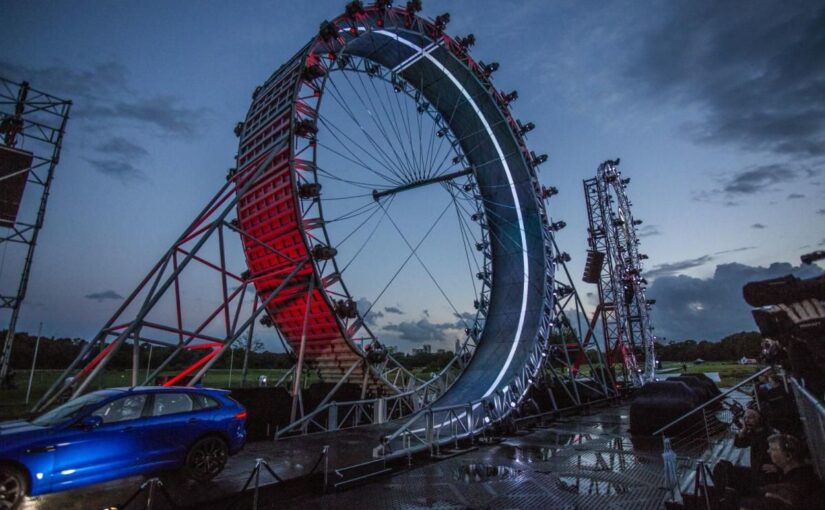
{"x":13,"y":487}
{"x":206,"y":458}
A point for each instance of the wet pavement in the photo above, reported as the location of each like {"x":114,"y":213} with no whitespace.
{"x":288,"y":458}
{"x":573,"y":462}
{"x":576,"y":462}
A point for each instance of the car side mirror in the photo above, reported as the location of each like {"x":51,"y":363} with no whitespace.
{"x":90,"y":422}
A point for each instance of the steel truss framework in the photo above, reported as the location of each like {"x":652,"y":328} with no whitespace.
{"x":560,"y":380}
{"x":572,"y":350}
{"x":566,"y":352}
{"x":436,"y":71}
{"x":281,"y":230}
{"x":623,"y":307}
{"x":274,"y":191}
{"x":34,"y":121}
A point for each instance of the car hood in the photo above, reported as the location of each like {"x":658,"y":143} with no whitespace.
{"x":18,"y":432}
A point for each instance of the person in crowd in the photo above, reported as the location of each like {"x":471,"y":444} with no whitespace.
{"x":779,"y":407}
{"x":754,"y":435}
{"x":798,"y":486}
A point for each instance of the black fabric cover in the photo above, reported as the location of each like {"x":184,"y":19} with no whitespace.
{"x":267,"y":409}
{"x":703,"y":386}
{"x":707,"y":382}
{"x":658,"y":403}
{"x":318,"y":391}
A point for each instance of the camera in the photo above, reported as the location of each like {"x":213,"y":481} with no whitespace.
{"x":786,"y":290}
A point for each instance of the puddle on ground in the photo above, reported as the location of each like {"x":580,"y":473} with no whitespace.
{"x":555,"y":439}
{"x":611,"y":462}
{"x":586,"y":486}
{"x":555,"y":443}
{"x":428,"y":504}
{"x":474,"y":473}
{"x":529,"y":454}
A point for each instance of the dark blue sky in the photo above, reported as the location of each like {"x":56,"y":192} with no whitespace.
{"x":717,"y":110}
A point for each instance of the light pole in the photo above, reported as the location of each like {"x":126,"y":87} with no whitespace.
{"x":34,"y":362}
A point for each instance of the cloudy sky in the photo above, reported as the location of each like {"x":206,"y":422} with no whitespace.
{"x":717,"y":110}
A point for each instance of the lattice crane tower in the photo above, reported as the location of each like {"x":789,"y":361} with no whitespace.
{"x":614,"y":263}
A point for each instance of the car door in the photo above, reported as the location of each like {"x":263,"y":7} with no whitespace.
{"x":111,"y":450}
{"x":175,"y":422}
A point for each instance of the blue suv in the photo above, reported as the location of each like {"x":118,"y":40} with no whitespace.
{"x":115,"y":433}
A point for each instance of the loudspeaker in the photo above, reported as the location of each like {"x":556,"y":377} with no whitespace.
{"x":593,"y":266}
{"x":14,"y":165}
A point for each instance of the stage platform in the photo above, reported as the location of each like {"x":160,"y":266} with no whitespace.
{"x":585,"y":461}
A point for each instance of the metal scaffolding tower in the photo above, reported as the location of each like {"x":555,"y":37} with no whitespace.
{"x":32,"y":124}
{"x":615,"y":265}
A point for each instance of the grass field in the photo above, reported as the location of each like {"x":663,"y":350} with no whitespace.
{"x":13,"y":402}
{"x":729,"y":371}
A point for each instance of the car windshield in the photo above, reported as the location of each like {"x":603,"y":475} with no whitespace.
{"x":70,"y":409}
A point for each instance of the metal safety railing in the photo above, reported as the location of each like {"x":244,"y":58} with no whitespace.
{"x":334,"y":415}
{"x":704,"y":434}
{"x":812,"y":414}
{"x":714,"y":401}
{"x":331,"y":416}
{"x":709,"y":427}
{"x":154,"y":488}
{"x":436,"y":426}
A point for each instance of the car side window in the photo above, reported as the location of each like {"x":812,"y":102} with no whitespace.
{"x":204,"y":402}
{"x":171,"y":403}
{"x":122,"y":409}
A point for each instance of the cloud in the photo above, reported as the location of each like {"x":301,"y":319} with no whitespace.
{"x":119,"y":146}
{"x":421,"y":330}
{"x":795,"y":196}
{"x":735,"y":250}
{"x":648,"y":231}
{"x":118,"y":156}
{"x":756,"y":75}
{"x":122,"y":170}
{"x":464,"y":318}
{"x":101,"y":93}
{"x":393,"y":309}
{"x":692,"y":308}
{"x":758,"y":179}
{"x":676,"y":267}
{"x":426,"y":312}
{"x":103,"y":295}
{"x":363,"y":305}
{"x":821,"y":211}
{"x":758,"y":226}
{"x":748,"y":182}
{"x":80,"y":85}
{"x":164,"y":112}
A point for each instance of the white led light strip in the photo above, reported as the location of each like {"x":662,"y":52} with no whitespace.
{"x":422,"y":53}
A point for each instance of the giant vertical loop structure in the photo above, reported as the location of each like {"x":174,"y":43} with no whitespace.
{"x":280,"y":192}
{"x":283,"y":207}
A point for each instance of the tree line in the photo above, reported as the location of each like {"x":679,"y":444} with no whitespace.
{"x":58,"y":353}
{"x":731,"y":348}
